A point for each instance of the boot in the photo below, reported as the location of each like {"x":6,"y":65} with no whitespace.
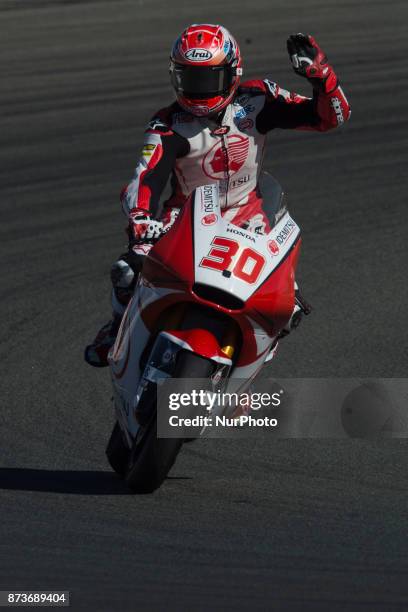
{"x":123,"y":280}
{"x":96,"y":354}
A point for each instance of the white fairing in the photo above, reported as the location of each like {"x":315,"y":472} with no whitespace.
{"x":124,"y":357}
{"x":259,"y":254}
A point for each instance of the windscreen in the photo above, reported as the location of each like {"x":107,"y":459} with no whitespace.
{"x":272,"y":195}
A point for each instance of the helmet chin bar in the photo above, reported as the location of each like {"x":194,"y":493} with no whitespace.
{"x":203,"y":109}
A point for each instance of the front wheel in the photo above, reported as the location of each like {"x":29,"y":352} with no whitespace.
{"x":151,"y":457}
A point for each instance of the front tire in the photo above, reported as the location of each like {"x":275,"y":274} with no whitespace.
{"x":151,"y":457}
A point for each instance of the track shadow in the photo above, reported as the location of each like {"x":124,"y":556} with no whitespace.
{"x":63,"y":481}
{"x":66,"y":481}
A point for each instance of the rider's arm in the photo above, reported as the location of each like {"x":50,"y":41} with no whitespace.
{"x":326,"y":110}
{"x":282,"y":109}
{"x":162,"y":146}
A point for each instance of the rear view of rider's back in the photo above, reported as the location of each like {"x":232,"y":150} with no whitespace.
{"x":215,"y":132}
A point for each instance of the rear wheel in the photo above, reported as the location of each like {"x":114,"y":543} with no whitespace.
{"x":117,"y":451}
{"x":151,"y":457}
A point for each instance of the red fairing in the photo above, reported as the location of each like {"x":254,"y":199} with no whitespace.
{"x":174,"y":253}
{"x":200,"y":341}
{"x":171,"y":265}
{"x":272,"y":304}
{"x":150,"y":313}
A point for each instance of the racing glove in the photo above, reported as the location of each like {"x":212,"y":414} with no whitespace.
{"x":142,"y":227}
{"x":310,"y":61}
{"x":169,"y":219}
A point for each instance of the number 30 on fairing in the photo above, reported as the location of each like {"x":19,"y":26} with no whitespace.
{"x":247,"y":268}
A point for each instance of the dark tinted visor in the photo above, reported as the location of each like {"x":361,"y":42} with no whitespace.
{"x":201,"y":81}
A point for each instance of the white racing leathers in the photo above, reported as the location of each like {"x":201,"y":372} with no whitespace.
{"x":228,"y":149}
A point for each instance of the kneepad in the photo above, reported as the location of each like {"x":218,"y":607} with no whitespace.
{"x":122,"y":275}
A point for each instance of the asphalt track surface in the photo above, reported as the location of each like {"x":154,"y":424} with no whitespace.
{"x":288,"y":525}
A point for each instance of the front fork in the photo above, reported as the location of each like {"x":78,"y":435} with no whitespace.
{"x":162,"y":359}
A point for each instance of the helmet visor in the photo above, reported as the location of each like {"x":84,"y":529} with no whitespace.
{"x":201,"y":82}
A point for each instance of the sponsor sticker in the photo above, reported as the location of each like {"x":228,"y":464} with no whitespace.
{"x":336,"y":104}
{"x":231,"y":157}
{"x":245,"y":124}
{"x":286,"y":232}
{"x":239,"y":181}
{"x":221,"y":131}
{"x":273,"y":247}
{"x":148,"y":150}
{"x":238,"y":232}
{"x":209,"y":219}
{"x":241,"y":114}
{"x":208,"y":203}
{"x":198,"y":55}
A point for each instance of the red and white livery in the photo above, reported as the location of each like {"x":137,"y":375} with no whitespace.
{"x":208,"y":289}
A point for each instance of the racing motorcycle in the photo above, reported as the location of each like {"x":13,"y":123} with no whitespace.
{"x":210,"y":302}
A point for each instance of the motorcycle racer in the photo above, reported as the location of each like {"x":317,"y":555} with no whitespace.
{"x":215,"y":132}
